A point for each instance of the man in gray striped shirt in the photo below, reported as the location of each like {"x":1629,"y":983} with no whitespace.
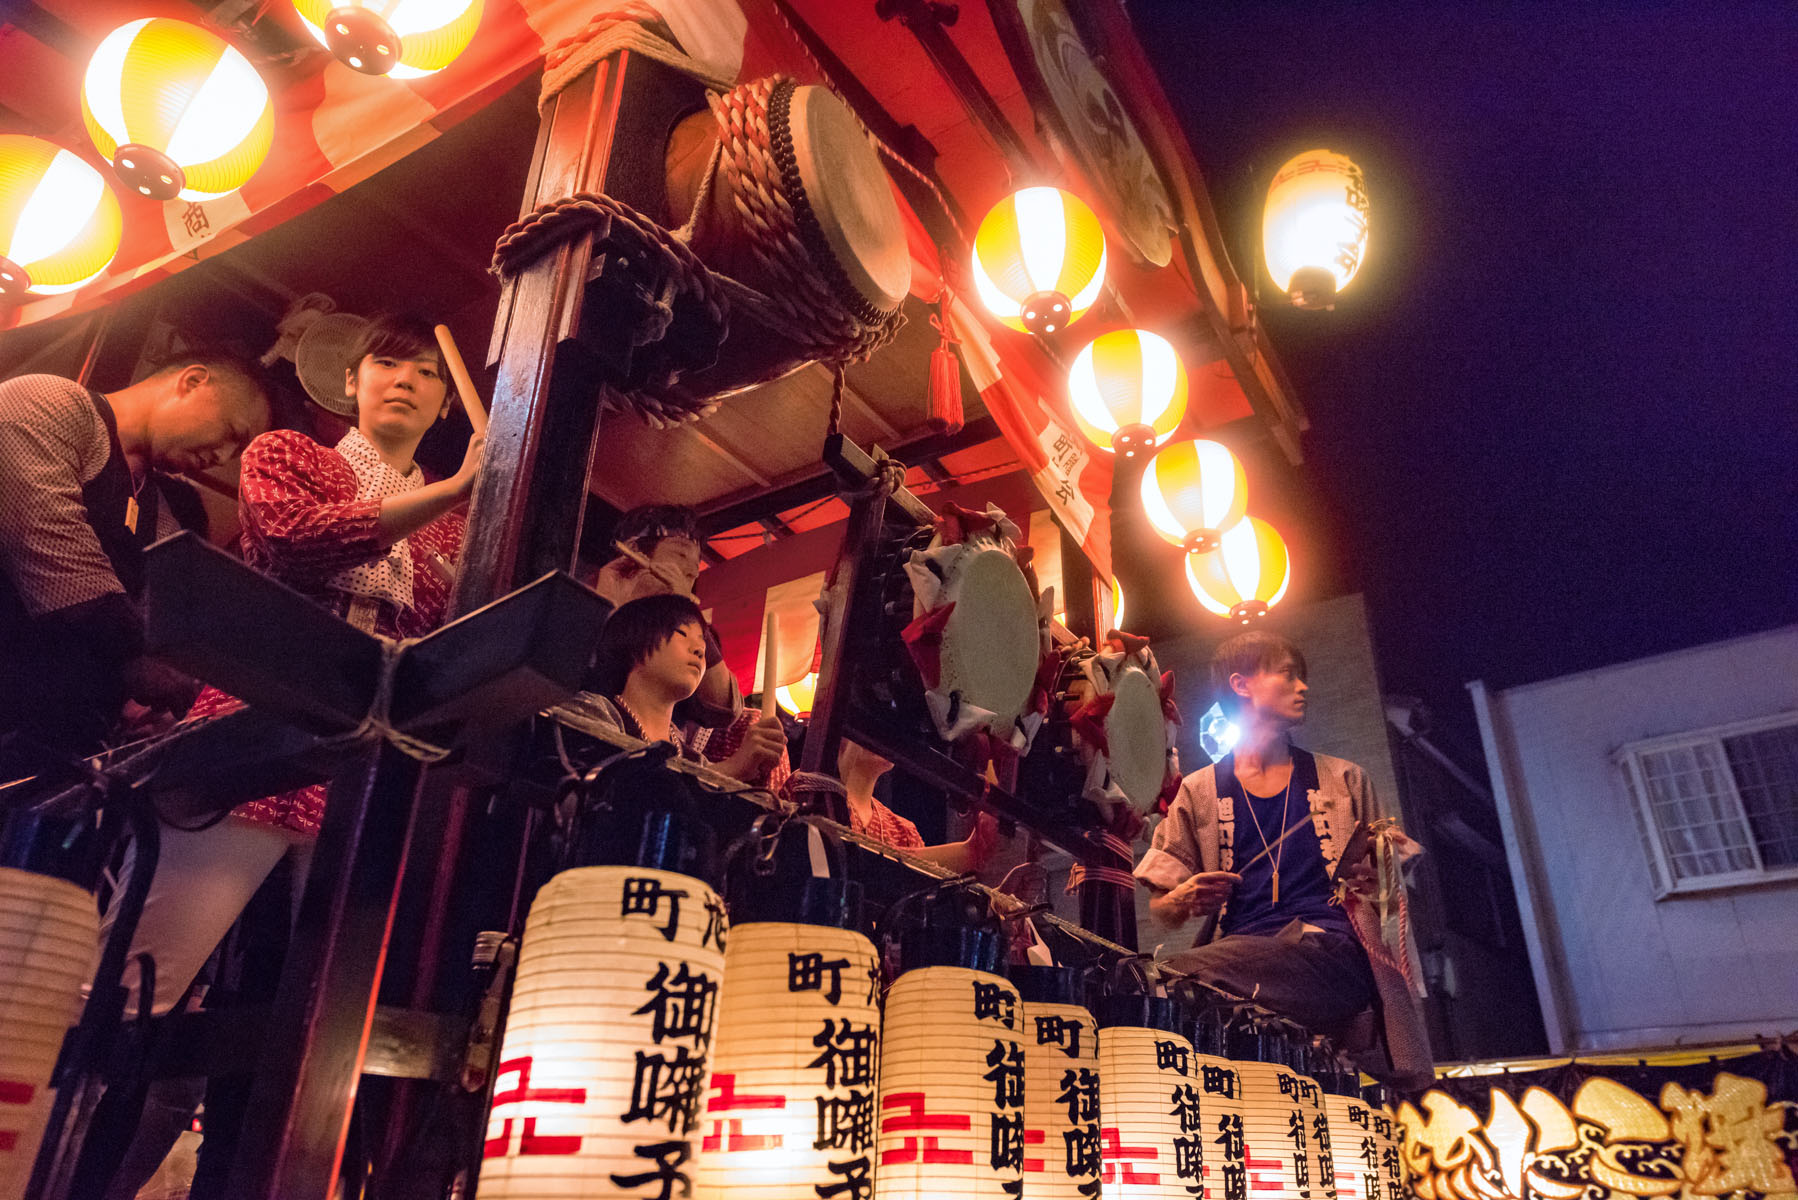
{"x":76,"y":510}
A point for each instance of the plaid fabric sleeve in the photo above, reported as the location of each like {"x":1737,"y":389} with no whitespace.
{"x":52,"y":443}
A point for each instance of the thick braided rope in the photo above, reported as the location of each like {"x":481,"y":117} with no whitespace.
{"x":814,"y":312}
{"x":633,"y":25}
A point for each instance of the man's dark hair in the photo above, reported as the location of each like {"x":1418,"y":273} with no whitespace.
{"x":633,"y":633}
{"x":645,"y":526}
{"x":220,"y":361}
{"x":1247,"y":654}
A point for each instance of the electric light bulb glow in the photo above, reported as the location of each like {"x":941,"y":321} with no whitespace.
{"x":407,"y":39}
{"x":1039,"y":259}
{"x":59,"y":223}
{"x":1127,"y":390}
{"x":797,"y":697}
{"x":177,"y":110}
{"x":1117,"y":604}
{"x":1314,"y":228}
{"x":1246,"y":575}
{"x":1192,"y":491}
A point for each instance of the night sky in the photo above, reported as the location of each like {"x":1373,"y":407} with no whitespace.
{"x":1554,"y":423}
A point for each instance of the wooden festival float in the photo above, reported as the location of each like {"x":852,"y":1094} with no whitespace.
{"x":749,"y":273}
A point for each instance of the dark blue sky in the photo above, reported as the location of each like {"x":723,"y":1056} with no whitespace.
{"x":1554,"y":421}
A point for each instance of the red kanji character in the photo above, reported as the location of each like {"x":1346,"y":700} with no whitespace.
{"x":1115,"y":1152}
{"x":13,"y":1091}
{"x":530,"y":1141}
{"x":920,"y":1120}
{"x":1259,"y":1184}
{"x":724,"y":1099}
{"x":1034,"y":1137}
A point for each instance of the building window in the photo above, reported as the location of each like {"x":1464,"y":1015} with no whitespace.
{"x":1719,"y":807}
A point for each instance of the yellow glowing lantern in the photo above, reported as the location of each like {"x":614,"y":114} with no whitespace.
{"x":602,"y":1078}
{"x":407,"y":39}
{"x":59,"y":222}
{"x":48,"y":929}
{"x":1152,"y":1125}
{"x":1128,"y":391}
{"x":1063,"y":1141}
{"x":177,"y":110}
{"x":951,"y":1087}
{"x":1117,"y":604}
{"x":791,"y":1108}
{"x":1192,"y":491}
{"x":1246,"y":575}
{"x":1220,"y":1102}
{"x":1356,"y":1148}
{"x":1314,"y":230}
{"x":797,"y":697}
{"x":1281,"y":1109}
{"x":1039,"y":259}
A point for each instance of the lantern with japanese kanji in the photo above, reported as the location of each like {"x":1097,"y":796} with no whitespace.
{"x":59,"y":222}
{"x":1246,"y":575}
{"x":48,"y":929}
{"x":1152,"y":1130}
{"x":1127,"y":389}
{"x":1220,"y":1108}
{"x":791,"y":1111}
{"x":1192,"y":491}
{"x":407,"y":39}
{"x":177,"y":110}
{"x":1388,"y":1134}
{"x":1280,"y":1110}
{"x":1062,"y":1138}
{"x":1356,"y":1148}
{"x":606,"y":1058}
{"x":1314,"y":229}
{"x":1039,"y":259}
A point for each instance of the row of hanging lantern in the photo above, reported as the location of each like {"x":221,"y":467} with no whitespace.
{"x":178,"y":112}
{"x":1039,"y":265}
{"x":653,"y":1048}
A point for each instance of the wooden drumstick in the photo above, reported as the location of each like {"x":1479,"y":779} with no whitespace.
{"x":471,"y":399}
{"x":677,"y":586}
{"x":770,"y":665}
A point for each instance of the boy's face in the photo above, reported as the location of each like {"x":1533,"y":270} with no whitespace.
{"x":1275,"y":693}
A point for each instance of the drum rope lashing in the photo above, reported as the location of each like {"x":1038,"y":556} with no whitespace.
{"x":635,"y":26}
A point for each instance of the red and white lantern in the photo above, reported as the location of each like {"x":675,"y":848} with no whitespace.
{"x":791,"y":1112}
{"x":1062,"y":1129}
{"x":1220,"y":1103}
{"x":1389,"y":1134}
{"x":1355,"y":1148}
{"x":607,"y":1052}
{"x":1281,"y":1109}
{"x":48,"y":931}
{"x":1153,"y":1129}
{"x":952,"y":1115}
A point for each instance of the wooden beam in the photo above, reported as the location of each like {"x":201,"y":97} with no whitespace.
{"x":730,"y":456}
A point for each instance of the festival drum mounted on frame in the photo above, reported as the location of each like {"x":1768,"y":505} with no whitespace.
{"x":1123,"y":722}
{"x":962,"y":639}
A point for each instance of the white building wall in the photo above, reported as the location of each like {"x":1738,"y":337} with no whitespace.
{"x":1615,"y":967}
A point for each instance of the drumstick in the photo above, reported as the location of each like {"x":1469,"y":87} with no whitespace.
{"x":1267,"y":850}
{"x":471,"y":399}
{"x":678,"y":587}
{"x":770,"y":667}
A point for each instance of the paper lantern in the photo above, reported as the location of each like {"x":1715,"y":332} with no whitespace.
{"x":791,"y":1109}
{"x":1282,"y":1119}
{"x":177,"y":110}
{"x":1314,"y":229}
{"x":1246,"y":575}
{"x":1062,"y":1129}
{"x":1220,"y":1107}
{"x":607,"y":1052}
{"x":1387,"y":1134}
{"x":1117,"y":604}
{"x":48,"y":930}
{"x":797,"y":697}
{"x":1192,"y":491}
{"x":407,"y":39}
{"x":59,"y":222}
{"x":1356,"y":1148}
{"x":1128,"y":391}
{"x":1153,"y":1133}
{"x":1039,"y":259}
{"x":951,"y":1087}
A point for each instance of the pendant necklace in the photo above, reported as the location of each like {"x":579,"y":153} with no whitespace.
{"x":1276,"y":849}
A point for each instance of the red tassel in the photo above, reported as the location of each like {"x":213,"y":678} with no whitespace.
{"x":945,"y":382}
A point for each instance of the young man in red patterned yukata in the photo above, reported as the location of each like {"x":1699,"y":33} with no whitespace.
{"x":358,"y":529}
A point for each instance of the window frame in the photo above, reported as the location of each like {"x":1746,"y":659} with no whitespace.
{"x":1628,"y":759}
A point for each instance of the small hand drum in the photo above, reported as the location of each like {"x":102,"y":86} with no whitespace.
{"x":1123,"y":729}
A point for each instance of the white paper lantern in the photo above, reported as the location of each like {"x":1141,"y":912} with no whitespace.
{"x":791,"y":1111}
{"x":1389,"y":1134}
{"x":951,"y":1088}
{"x":1354,"y":1148}
{"x":1062,"y":1138}
{"x":1153,"y":1132}
{"x":1282,"y":1110}
{"x":607,"y":1052}
{"x":1220,"y":1103}
{"x":48,"y":930}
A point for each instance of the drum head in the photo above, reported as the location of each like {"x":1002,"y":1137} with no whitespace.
{"x":849,"y":193}
{"x":1136,"y":730}
{"x":991,"y":647}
